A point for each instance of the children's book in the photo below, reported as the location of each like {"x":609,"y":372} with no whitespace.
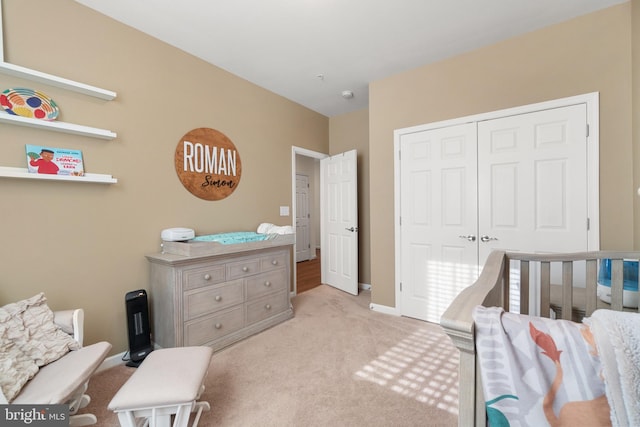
{"x":54,"y":161}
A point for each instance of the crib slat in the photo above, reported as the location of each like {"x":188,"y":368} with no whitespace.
{"x":616,"y":284}
{"x":506,"y":283}
{"x":545,"y":289}
{"x":591,"y":286}
{"x":567,"y":289}
{"x":524,"y":287}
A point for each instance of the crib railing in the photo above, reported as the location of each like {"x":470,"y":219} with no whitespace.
{"x":586,"y":288}
{"x":575,"y":296}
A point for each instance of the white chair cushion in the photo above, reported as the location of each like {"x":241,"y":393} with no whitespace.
{"x":59,"y":380}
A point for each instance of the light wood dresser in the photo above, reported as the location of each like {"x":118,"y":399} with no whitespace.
{"x":216,"y":295}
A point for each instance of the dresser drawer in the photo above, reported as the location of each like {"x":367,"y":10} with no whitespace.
{"x":205,"y":276}
{"x":266,"y":283}
{"x":274,"y":261}
{"x":266,"y":307}
{"x":210,"y":328}
{"x":212,"y":298}
{"x":243,"y":268}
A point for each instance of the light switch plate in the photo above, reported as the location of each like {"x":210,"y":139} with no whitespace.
{"x":284,"y":210}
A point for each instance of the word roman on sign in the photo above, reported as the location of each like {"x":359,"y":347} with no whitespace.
{"x":208,"y":164}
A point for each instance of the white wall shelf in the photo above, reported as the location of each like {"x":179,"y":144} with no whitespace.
{"x":70,"y":128}
{"x":51,"y":80}
{"x":10,"y":172}
{"x":57,"y":126}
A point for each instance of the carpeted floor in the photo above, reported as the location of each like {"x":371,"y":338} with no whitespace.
{"x":336,"y":363}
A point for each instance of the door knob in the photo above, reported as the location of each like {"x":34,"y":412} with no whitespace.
{"x":486,"y":238}
{"x":470,"y":238}
{"x":352,"y":229}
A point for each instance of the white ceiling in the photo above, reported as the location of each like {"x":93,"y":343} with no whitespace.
{"x":310,"y":51}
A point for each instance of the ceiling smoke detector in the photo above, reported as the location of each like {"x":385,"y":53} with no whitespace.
{"x":347,"y":94}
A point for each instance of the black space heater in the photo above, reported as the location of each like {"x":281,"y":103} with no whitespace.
{"x":138,"y":324}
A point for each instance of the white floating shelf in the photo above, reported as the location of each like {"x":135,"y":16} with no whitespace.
{"x":10,"y":172}
{"x":50,"y":79}
{"x":57,"y":126}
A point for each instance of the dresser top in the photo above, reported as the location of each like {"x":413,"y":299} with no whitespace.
{"x":178,"y":252}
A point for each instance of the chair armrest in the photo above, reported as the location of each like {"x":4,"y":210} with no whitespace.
{"x":71,"y":322}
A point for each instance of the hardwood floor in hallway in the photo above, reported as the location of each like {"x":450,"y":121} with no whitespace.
{"x":308,"y":273}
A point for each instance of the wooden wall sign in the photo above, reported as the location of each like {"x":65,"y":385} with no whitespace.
{"x":208,"y":164}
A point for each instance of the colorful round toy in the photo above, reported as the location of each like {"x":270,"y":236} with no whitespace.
{"x":29,"y":103}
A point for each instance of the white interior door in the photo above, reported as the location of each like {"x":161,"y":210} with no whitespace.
{"x":533,"y":181}
{"x":533,"y":185}
{"x":303,"y":247}
{"x":438,"y":218}
{"x":339,"y":221}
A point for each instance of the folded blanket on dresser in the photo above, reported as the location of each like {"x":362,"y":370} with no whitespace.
{"x":617,"y":336}
{"x":268,"y":228}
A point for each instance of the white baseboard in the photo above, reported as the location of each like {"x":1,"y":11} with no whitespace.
{"x":384,"y":309}
{"x":112,"y":361}
{"x":364,"y":286}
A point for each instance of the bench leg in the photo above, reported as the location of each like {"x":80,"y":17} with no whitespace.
{"x":182,"y":415}
{"x":126,"y":419}
{"x":199,"y":407}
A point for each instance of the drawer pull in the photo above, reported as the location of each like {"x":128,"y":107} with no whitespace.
{"x":207,"y":277}
{"x":218,"y":298}
{"x":268,"y":306}
{"x":274,"y":262}
{"x":218,"y":325}
{"x":267,"y":283}
{"x":245,"y":269}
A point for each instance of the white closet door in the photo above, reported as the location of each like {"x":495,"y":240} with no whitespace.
{"x":532,"y":185}
{"x":438,"y":218}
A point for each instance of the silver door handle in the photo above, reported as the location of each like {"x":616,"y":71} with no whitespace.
{"x":352,"y":229}
{"x":486,"y":238}
{"x":470,"y":238}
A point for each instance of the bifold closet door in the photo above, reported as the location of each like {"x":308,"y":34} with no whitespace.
{"x":532,"y":187}
{"x":515,"y":183}
{"x":438,"y":218}
{"x":532,"y":184}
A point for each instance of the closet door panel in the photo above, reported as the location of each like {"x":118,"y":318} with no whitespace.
{"x":532,"y":181}
{"x":438,"y":206}
{"x":532,"y":186}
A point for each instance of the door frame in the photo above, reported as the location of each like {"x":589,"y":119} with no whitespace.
{"x":299,"y":151}
{"x":592,"y":101}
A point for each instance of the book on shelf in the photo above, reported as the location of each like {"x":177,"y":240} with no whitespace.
{"x":54,"y":161}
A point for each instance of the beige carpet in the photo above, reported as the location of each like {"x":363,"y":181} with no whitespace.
{"x":336,"y":363}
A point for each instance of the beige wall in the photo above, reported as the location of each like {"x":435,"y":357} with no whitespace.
{"x":348,"y":132}
{"x":84,"y":244}
{"x":588,"y":54}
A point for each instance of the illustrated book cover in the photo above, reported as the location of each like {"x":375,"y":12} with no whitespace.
{"x":54,"y":161}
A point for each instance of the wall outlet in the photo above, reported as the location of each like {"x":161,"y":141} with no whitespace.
{"x":284,"y":210}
